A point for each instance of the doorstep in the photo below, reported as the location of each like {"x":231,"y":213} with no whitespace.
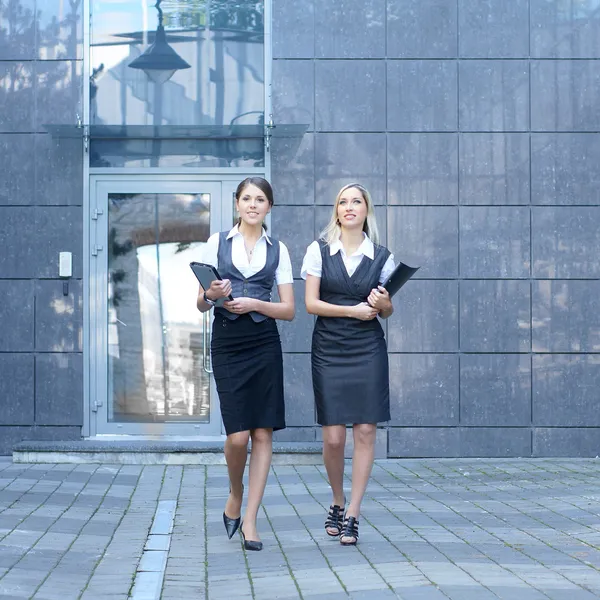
{"x":153,"y":452}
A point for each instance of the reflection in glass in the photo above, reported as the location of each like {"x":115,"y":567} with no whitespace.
{"x":221,"y":40}
{"x":156,"y":342}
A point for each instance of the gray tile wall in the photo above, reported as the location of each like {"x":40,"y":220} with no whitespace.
{"x":474,"y":123}
{"x":41,"y":370}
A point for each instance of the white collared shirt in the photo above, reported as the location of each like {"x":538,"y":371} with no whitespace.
{"x":283,"y":274}
{"x":312,"y":263}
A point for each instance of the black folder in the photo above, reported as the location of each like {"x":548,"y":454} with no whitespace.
{"x":402,"y":273}
{"x":206,"y":274}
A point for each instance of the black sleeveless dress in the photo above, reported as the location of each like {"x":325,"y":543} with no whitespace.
{"x":350,"y":369}
{"x":246,"y":356}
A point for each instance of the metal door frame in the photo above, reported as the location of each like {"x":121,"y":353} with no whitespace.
{"x":95,"y":324}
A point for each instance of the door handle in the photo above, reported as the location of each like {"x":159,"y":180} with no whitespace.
{"x":206,"y":342}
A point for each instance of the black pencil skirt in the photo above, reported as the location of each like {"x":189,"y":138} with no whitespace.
{"x":248,"y":369}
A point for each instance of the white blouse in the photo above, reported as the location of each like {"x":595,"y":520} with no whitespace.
{"x":283,"y":274}
{"x":312,"y":263}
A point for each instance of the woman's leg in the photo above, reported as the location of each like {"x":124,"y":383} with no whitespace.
{"x":362,"y":463}
{"x":334,"y":440}
{"x":260,"y":463}
{"x":236,"y":451}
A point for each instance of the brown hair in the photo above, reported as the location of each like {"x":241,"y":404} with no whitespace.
{"x":262,"y":184}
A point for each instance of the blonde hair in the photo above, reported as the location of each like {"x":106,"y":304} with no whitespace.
{"x":332,"y":232}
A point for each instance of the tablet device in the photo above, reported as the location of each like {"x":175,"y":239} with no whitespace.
{"x":401,"y":274}
{"x":206,"y":274}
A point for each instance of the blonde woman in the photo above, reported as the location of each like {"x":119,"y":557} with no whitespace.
{"x":344,"y":271}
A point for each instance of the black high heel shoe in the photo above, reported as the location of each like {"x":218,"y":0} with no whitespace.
{"x":251,"y":544}
{"x":349,"y":531}
{"x":232,"y":525}
{"x":334,"y":520}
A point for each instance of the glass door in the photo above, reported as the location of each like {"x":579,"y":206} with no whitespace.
{"x":150,"y":346}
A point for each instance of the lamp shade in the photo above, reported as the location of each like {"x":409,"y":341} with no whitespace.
{"x":159,"y":61}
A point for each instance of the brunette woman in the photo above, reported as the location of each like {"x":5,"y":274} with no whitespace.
{"x":245,"y":349}
{"x":344,"y":271}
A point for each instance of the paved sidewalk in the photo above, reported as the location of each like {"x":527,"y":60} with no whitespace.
{"x":430,"y":530}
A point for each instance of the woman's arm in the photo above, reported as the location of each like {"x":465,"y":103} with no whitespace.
{"x":315,"y":306}
{"x":283,"y":310}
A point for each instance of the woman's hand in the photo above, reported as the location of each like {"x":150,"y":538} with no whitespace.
{"x":219,"y":288}
{"x":364,"y":312}
{"x":379,"y":298}
{"x":240,"y":306}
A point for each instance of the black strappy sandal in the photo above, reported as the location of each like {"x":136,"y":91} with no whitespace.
{"x":349,"y":530}
{"x":334,"y":520}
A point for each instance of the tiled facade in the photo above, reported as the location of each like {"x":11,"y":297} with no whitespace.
{"x":474,"y":125}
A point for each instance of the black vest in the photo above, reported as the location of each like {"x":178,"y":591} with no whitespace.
{"x":259,"y":285}
{"x":337,"y":287}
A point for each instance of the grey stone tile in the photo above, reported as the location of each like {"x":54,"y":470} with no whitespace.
{"x":58,"y":178}
{"x":495,"y":390}
{"x":350,"y":29}
{"x":488,"y":29}
{"x":422,"y":168}
{"x":293,"y":29}
{"x":426,"y":318}
{"x":425,"y":237}
{"x":494,"y":241}
{"x":59,"y":389}
{"x":414,"y":442}
{"x":565,"y":242}
{"x":58,"y":92}
{"x":16,"y":181}
{"x":58,"y":318}
{"x":566,"y":315}
{"x":299,"y":398}
{"x":421,"y":95}
{"x":560,"y":33}
{"x":59,"y":30}
{"x":293,"y":170}
{"x":564,"y":94}
{"x":495,"y":316}
{"x":342,"y":158}
{"x":16,"y":388}
{"x":296,"y":335}
{"x":494,"y":168}
{"x":565,"y":390}
{"x":561,"y":168}
{"x":17,"y":104}
{"x":11,"y":435}
{"x":566,"y":441}
{"x":341,"y":103}
{"x":294,"y":226}
{"x":63,"y":232}
{"x":424,"y":390}
{"x":422,"y":29}
{"x":294,"y":92}
{"x":17,"y":22}
{"x":16,"y":315}
{"x":17,"y":225}
{"x":494,"y":95}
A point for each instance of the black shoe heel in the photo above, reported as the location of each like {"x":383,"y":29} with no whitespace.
{"x":349,"y":530}
{"x":334,"y":519}
{"x":231,"y":525}
{"x":252,"y":545}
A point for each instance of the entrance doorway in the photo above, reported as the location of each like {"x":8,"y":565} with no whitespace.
{"x":150,"y":371}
